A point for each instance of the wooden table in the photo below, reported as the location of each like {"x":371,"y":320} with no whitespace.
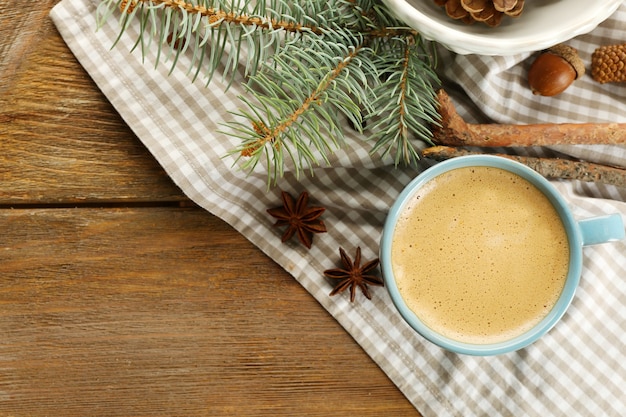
{"x":118,"y":296}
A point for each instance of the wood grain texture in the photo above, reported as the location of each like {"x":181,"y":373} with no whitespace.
{"x":115,"y":301}
{"x":62,"y":141}
{"x":166,"y":311}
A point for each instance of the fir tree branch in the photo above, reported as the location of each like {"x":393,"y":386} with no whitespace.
{"x":297,"y":103}
{"x":217,"y":16}
{"x":217,"y":29}
{"x":307,"y":64}
{"x":404,"y":102}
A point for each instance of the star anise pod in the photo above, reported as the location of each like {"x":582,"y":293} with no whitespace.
{"x":354,"y":275}
{"x":300,"y":219}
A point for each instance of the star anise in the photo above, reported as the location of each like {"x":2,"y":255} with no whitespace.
{"x":353,"y":275}
{"x":301,"y":219}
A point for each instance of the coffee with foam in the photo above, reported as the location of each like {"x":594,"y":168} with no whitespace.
{"x":479,"y":254}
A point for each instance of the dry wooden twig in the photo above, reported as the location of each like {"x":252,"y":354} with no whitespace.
{"x":548,"y":167}
{"x":454,"y":131}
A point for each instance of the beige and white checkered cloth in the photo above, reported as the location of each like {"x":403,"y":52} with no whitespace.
{"x":578,"y":369}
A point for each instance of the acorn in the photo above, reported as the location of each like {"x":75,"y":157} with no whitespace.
{"x":555,"y":70}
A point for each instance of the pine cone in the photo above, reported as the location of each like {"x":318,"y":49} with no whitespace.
{"x":608,"y":64}
{"x":490,"y":12}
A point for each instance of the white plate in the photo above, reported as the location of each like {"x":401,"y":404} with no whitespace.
{"x":542,"y":24}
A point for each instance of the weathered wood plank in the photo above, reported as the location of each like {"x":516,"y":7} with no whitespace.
{"x":62,"y":141}
{"x":19,"y":24}
{"x":166,"y":311}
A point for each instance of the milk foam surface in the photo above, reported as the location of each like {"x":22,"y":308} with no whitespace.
{"x":480,"y":254}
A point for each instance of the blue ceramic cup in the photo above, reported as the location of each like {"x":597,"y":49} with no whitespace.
{"x":579,"y":233}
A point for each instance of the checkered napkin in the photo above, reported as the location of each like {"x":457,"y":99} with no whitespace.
{"x":578,"y":369}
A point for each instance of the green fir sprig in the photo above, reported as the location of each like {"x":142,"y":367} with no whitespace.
{"x":308,"y":65}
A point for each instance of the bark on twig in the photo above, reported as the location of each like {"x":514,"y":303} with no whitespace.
{"x":548,"y":167}
{"x":454,"y":131}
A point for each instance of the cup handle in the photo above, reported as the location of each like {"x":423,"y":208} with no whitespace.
{"x":601,"y":229}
